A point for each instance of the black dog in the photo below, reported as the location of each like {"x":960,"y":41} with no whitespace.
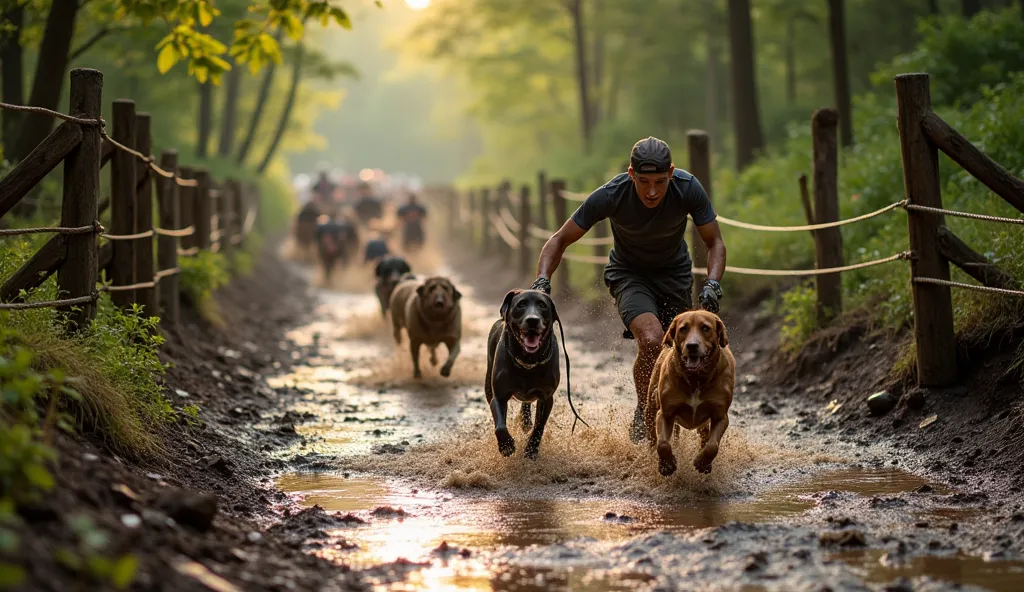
{"x":522,"y":362}
{"x":389,"y":271}
{"x":376,"y":249}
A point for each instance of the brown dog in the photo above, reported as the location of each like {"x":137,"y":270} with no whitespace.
{"x":691,"y":387}
{"x":430,"y":313}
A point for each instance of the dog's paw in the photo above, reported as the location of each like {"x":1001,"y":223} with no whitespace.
{"x":446,"y":370}
{"x":638,"y":431}
{"x":666,"y":460}
{"x":506,"y":443}
{"x":704,"y":458}
{"x":531,"y":451}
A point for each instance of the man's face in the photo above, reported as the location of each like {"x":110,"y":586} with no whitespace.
{"x":651,"y":187}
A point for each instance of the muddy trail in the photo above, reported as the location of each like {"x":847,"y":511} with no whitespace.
{"x":403,"y":483}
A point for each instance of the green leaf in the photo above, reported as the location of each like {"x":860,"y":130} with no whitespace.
{"x":123,"y":573}
{"x":341,"y":18}
{"x":68,"y":558}
{"x":205,"y":15}
{"x":38,"y":476}
{"x":11,"y":575}
{"x":167,"y":58}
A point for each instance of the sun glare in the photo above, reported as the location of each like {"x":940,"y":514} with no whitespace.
{"x":418,"y":4}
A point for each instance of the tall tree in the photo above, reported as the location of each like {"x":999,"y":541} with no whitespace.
{"x":12,"y":72}
{"x":257,"y":113}
{"x":840,"y":69}
{"x":229,"y":115}
{"x":582,"y":77}
{"x":746,"y":118}
{"x":789,"y":51}
{"x":970,"y":7}
{"x":286,"y":113}
{"x":712,"y":98}
{"x":48,"y":80}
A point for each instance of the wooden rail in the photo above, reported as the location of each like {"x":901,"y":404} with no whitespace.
{"x":184,"y":212}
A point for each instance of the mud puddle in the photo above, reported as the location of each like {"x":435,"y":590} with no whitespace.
{"x":442,"y":510}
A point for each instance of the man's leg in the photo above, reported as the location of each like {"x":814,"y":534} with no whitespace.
{"x":647,"y":331}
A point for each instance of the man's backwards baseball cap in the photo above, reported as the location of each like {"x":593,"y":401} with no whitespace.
{"x":650,"y":155}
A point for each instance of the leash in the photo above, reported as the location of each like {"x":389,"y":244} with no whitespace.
{"x":568,"y":381}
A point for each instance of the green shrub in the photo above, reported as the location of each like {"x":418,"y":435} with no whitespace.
{"x":800,"y":317}
{"x":203,"y":274}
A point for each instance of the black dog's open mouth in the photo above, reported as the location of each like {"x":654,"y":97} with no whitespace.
{"x":531,"y":340}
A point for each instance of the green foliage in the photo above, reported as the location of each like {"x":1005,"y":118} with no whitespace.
{"x":203,"y":274}
{"x":89,"y":558}
{"x":963,"y":57}
{"x":800,"y":317}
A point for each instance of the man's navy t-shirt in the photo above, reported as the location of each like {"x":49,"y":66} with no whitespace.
{"x":647,"y":238}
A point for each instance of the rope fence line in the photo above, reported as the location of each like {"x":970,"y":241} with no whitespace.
{"x":970,"y":215}
{"x":503,"y":231}
{"x":126,"y":237}
{"x":808,"y":227}
{"x":974,"y":287}
{"x":187,"y":231}
{"x":93,"y":228}
{"x":49,"y":303}
{"x":57,"y":114}
{"x":189,"y":252}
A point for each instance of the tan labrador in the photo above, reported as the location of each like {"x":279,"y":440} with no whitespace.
{"x":691,"y":386}
{"x":429,"y":312}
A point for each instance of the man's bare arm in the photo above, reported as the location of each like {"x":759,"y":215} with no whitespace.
{"x":551,"y":254}
{"x":711,"y":234}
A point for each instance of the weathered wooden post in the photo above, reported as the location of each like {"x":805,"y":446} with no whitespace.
{"x":167,"y":246}
{"x":526,"y":260}
{"x":558,"y":198}
{"x":541,"y":219}
{"x":828,"y":242}
{"x":240,"y":211}
{"x":453,"y":209}
{"x":933,"y":304}
{"x":76,"y":278}
{"x":122,"y":203}
{"x":202,"y":209}
{"x":186,"y":207}
{"x":698,"y":145}
{"x":485,"y":221}
{"x":504,"y":201}
{"x":226,"y":217}
{"x":144,"y":271}
{"x":471,"y":201}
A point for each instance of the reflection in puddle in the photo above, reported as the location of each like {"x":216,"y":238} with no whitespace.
{"x":496,"y":521}
{"x":998,"y":576}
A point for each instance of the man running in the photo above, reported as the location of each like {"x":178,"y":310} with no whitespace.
{"x":338,"y":240}
{"x":411,"y":215}
{"x":368,"y":206}
{"x":649,"y":268}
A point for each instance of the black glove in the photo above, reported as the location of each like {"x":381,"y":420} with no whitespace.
{"x":709,"y":296}
{"x":543,"y":284}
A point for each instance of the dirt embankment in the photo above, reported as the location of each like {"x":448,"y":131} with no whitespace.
{"x":199,"y":514}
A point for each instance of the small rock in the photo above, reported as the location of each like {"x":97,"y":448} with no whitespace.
{"x":928,"y":421}
{"x":181,"y":393}
{"x":925,"y":489}
{"x":90,"y":457}
{"x":389,"y":512}
{"x":881,"y":403}
{"x":915,"y":399}
{"x":217,"y":463}
{"x":843,"y":538}
{"x":921,"y":524}
{"x":131,"y":520}
{"x":124,"y":494}
{"x":189,"y":508}
{"x":766,"y":409}
{"x":254,"y":537}
{"x":610,"y":516}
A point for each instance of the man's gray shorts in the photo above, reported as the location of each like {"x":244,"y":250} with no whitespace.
{"x":663,"y":293}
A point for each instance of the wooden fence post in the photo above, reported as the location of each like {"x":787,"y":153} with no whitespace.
{"x":76,"y":278}
{"x":698,"y":145}
{"x":470,"y":222}
{"x":144,"y":271}
{"x":186,"y":207}
{"x":542,"y":199}
{"x":238,"y":206}
{"x":201,"y":209}
{"x":167,"y":246}
{"x":225,"y":216}
{"x":525,"y":254}
{"x":485,"y":222}
{"x":453,"y":210}
{"x":557,"y":197}
{"x":828,"y":242}
{"x":122,"y":203}
{"x":504,"y":201}
{"x":933,"y":304}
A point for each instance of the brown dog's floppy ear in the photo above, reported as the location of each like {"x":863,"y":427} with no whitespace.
{"x":456,"y":294}
{"x":421,"y":289}
{"x":723,"y":338}
{"x":670,"y":333}
{"x":507,"y":302}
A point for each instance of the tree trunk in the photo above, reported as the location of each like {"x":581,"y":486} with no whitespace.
{"x":282,"y":124}
{"x":790,"y":50}
{"x":11,"y":70}
{"x":205,"y":119}
{"x":586,"y":118}
{"x":712,"y":83}
{"x":229,"y":117}
{"x":840,"y":70}
{"x":933,"y":7}
{"x":48,"y":81}
{"x":257,"y":112}
{"x":747,"y":121}
{"x":971,"y":7}
{"x":597,"y":103}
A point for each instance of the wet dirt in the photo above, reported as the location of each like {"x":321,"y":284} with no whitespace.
{"x":790,"y":504}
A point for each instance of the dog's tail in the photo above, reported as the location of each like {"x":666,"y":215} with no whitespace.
{"x":568,"y":382}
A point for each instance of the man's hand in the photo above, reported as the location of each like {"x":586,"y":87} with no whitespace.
{"x":709,"y":296}
{"x":543,"y":284}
